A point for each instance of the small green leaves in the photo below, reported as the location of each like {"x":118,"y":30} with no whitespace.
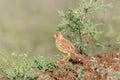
{"x":77,"y":24}
{"x":80,"y":74}
{"x":96,"y":34}
{"x":118,"y":39}
{"x":25,"y":68}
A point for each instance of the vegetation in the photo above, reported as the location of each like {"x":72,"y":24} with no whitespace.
{"x":78,"y":27}
{"x":21,"y":67}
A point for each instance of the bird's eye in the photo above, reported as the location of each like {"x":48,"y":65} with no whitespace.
{"x":57,"y":35}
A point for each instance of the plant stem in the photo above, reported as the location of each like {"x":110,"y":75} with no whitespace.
{"x":90,"y":2}
{"x":80,"y":36}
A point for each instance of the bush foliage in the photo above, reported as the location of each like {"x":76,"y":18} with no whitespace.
{"x":78,"y":27}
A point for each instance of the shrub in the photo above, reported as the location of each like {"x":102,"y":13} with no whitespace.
{"x":78,"y":27}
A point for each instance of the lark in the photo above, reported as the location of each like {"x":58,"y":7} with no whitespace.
{"x":66,"y":47}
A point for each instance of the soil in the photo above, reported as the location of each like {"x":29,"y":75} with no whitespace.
{"x":97,"y":67}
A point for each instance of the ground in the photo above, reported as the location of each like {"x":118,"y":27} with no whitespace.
{"x":97,"y":67}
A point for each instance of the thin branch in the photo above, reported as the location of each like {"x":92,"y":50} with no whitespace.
{"x":80,"y":36}
{"x":90,"y":2}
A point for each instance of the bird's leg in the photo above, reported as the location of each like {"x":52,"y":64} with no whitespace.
{"x":65,"y":59}
{"x":68,"y":57}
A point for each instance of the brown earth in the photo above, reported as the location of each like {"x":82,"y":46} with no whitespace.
{"x":97,"y":67}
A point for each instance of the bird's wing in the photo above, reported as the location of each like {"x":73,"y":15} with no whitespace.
{"x":68,"y":46}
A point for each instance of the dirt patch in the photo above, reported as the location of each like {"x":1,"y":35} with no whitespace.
{"x":97,"y":67}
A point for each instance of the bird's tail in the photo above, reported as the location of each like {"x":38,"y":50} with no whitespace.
{"x":80,"y":56}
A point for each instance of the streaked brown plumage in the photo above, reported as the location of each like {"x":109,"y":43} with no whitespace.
{"x":66,"y":47}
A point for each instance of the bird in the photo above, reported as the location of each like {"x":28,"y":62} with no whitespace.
{"x":66,"y":47}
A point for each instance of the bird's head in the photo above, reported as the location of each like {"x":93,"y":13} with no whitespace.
{"x":58,"y":36}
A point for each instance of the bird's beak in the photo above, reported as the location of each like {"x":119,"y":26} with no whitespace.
{"x":54,"y":36}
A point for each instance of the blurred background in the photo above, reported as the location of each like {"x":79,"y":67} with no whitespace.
{"x":27,"y":26}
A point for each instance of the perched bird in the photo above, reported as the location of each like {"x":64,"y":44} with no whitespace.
{"x":66,"y":47}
